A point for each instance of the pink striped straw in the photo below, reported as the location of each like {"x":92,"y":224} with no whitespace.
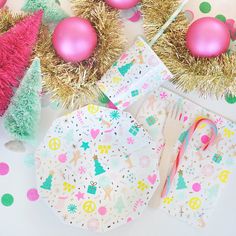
{"x":183,"y":148}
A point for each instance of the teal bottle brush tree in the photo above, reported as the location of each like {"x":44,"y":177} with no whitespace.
{"x":53,"y":13}
{"x":22,"y":117}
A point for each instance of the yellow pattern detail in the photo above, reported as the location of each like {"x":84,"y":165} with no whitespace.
{"x":139,"y":44}
{"x":228,"y":133}
{"x":103,"y":149}
{"x":142,"y":185}
{"x":168,"y":200}
{"x":68,"y":187}
{"x":54,"y":144}
{"x":89,"y":206}
{"x":93,"y":109}
{"x":116,"y":80}
{"x":195,"y":203}
{"x":224,"y":176}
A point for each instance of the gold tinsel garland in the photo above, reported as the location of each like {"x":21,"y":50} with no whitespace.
{"x":74,"y":84}
{"x":209,"y":76}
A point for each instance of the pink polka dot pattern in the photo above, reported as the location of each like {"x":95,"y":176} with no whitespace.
{"x":4,"y":168}
{"x":205,"y":139}
{"x":102,"y":211}
{"x":196,"y":187}
{"x":32,"y":195}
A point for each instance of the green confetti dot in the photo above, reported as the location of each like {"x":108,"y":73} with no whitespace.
{"x":205,"y":7}
{"x":230,"y":99}
{"x":221,"y":18}
{"x":7,"y":199}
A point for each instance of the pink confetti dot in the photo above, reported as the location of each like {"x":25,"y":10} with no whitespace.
{"x":62,"y":158}
{"x":196,"y":187}
{"x":32,"y":195}
{"x":129,"y":220}
{"x":102,"y":211}
{"x":205,"y":139}
{"x":4,"y":168}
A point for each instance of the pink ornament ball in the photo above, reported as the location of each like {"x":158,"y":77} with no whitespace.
{"x":74,"y":39}
{"x":208,"y":37}
{"x":2,"y":3}
{"x":122,"y":4}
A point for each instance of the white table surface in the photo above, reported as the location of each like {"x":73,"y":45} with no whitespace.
{"x":25,"y":218}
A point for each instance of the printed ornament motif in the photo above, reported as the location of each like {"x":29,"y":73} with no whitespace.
{"x":16,"y":48}
{"x":134,"y":74}
{"x":22,"y":117}
{"x":85,"y":180}
{"x":202,"y":175}
{"x":53,"y":13}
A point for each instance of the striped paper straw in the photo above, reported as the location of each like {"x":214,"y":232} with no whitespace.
{"x":168,"y":23}
{"x":184,"y":146}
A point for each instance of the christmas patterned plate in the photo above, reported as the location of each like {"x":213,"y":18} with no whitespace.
{"x":96,"y":168}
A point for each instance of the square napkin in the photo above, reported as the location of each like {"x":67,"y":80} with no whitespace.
{"x":202,"y":175}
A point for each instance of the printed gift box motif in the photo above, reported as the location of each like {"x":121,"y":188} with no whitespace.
{"x":97,"y":168}
{"x":135,"y":73}
{"x":202,"y":174}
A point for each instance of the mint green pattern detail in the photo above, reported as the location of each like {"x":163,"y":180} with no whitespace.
{"x":53,"y":13}
{"x":23,"y":115}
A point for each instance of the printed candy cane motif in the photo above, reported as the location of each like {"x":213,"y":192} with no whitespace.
{"x":191,"y":131}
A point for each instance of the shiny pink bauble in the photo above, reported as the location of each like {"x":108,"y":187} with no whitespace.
{"x":122,"y":4}
{"x":208,"y":37}
{"x":2,"y":3}
{"x":74,"y":39}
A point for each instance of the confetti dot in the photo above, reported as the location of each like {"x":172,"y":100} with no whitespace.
{"x":221,"y":18}
{"x":102,"y":211}
{"x":4,"y":168}
{"x":230,"y":99}
{"x":129,"y":220}
{"x":196,"y":187}
{"x":205,"y":7}
{"x":32,"y":195}
{"x":7,"y":199}
{"x":205,"y":139}
{"x":62,"y":158}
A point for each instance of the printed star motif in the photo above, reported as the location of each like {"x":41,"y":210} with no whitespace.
{"x":85,"y":145}
{"x":80,"y":195}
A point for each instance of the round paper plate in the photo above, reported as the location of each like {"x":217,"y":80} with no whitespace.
{"x":96,"y":168}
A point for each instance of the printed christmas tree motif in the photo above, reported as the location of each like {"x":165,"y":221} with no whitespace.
{"x":52,"y":10}
{"x":120,"y":205}
{"x":47,"y":184}
{"x":125,"y":69}
{"x":181,"y":182}
{"x":98,"y":167}
{"x":15,"y":52}
{"x":22,"y":117}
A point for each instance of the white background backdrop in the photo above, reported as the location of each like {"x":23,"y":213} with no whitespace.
{"x":27,"y":218}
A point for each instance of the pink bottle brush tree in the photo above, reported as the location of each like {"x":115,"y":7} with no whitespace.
{"x":16,"y":46}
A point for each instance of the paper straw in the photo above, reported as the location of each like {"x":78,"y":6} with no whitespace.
{"x":167,"y":24}
{"x":182,"y":150}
